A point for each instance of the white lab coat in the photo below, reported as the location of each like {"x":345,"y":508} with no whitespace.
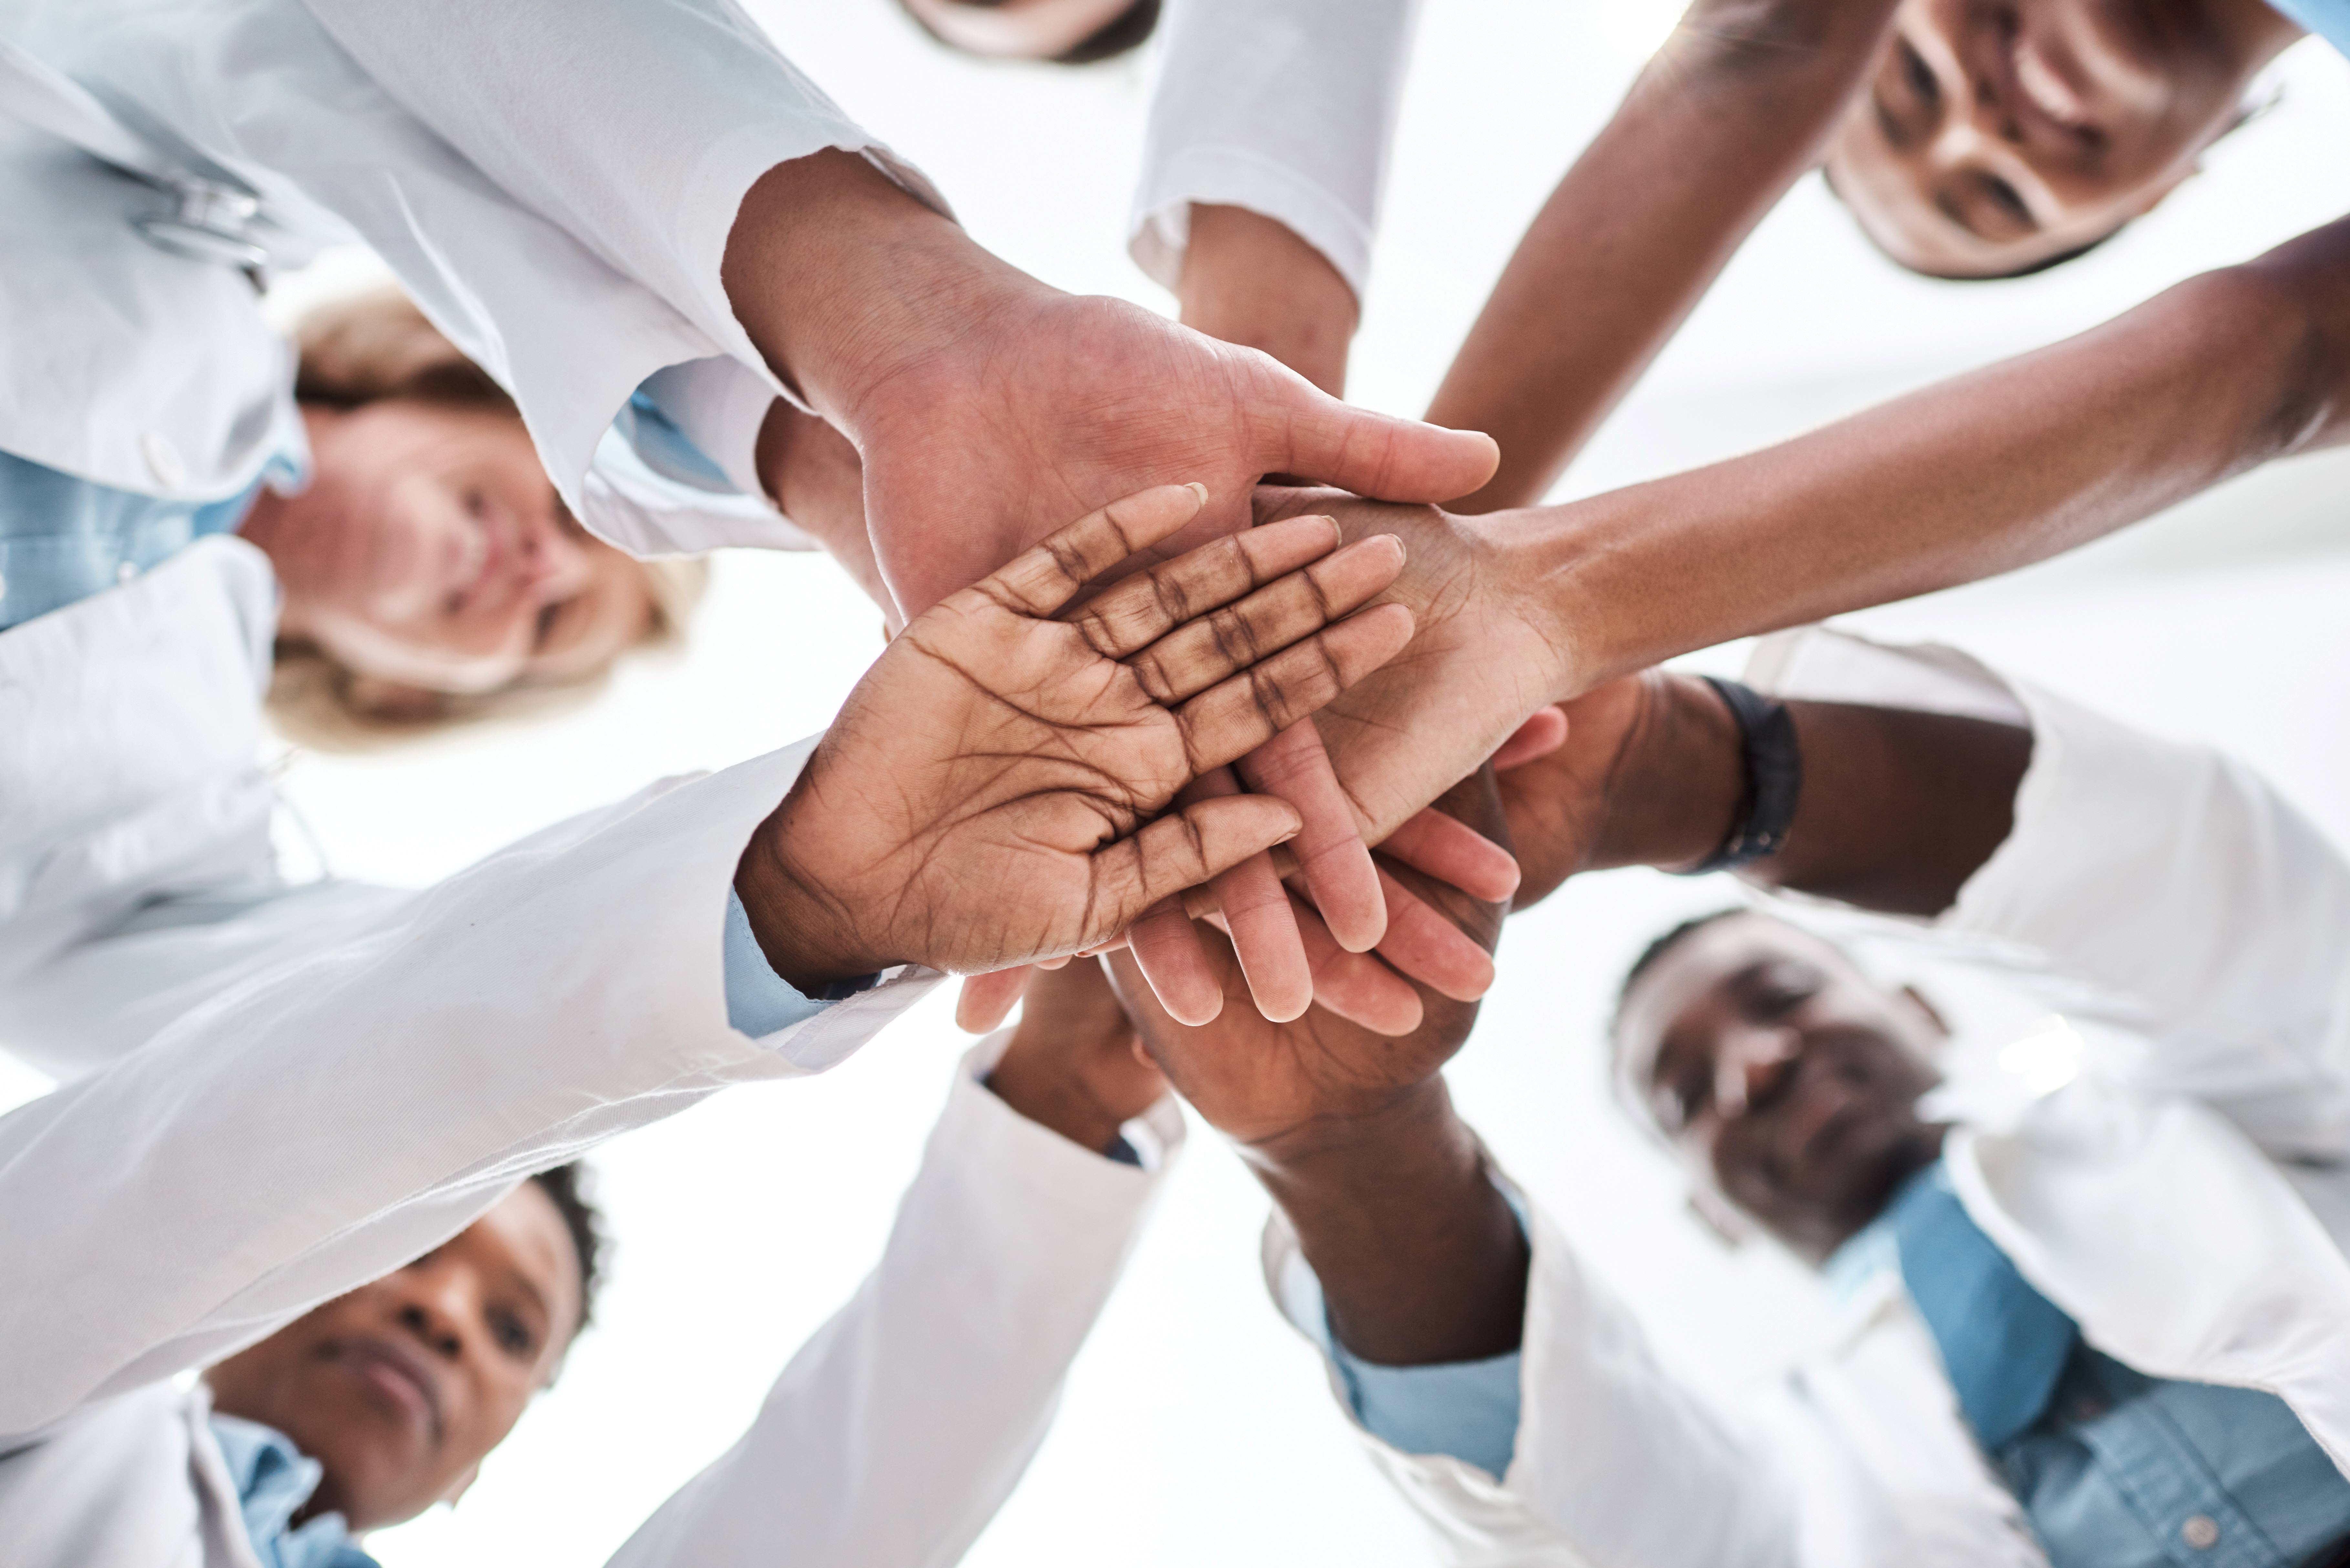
{"x":552,"y":183}
{"x":299,"y":1087}
{"x":890,"y":1439}
{"x":1284,"y":107}
{"x":2152,"y":1167}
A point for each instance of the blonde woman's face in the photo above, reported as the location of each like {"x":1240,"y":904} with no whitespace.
{"x":431,"y":552}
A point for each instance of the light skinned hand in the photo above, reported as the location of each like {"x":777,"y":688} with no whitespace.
{"x":992,"y":790}
{"x":1265,"y":1083}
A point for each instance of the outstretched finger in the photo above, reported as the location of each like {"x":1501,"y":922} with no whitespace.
{"x":1357,"y":987}
{"x":1137,"y":611}
{"x":1452,"y":851}
{"x":1256,"y":915}
{"x":1325,"y":442}
{"x":1236,"y":716}
{"x":987,"y":998}
{"x":1202,"y":651}
{"x":1168,"y":952}
{"x":1329,"y":848}
{"x":1430,"y":949}
{"x":1045,"y":577}
{"x":1182,"y":849}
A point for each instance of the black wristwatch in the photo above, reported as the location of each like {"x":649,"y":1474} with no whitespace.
{"x":1775,"y":778}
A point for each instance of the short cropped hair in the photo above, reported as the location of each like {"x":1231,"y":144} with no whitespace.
{"x":566,"y":1185}
{"x":1657,"y":950}
{"x":376,"y":347}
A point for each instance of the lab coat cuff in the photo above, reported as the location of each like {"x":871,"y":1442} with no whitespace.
{"x":1052,"y":1176}
{"x":1235,"y":176}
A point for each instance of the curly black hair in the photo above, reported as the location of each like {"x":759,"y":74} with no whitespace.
{"x":567,"y":1185}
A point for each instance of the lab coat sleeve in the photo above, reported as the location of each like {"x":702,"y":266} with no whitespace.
{"x":896,"y":1432}
{"x":554,"y":185}
{"x":1284,"y":107}
{"x":334,"y":1109}
{"x":1617,"y":1462}
{"x":2169,"y":885}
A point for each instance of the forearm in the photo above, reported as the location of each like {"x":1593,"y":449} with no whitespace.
{"x":843,"y":281}
{"x":1729,"y":114}
{"x":1973,"y":477}
{"x":1899,"y":807}
{"x":1420,"y":1259}
{"x":815,"y":477}
{"x":1247,"y":279}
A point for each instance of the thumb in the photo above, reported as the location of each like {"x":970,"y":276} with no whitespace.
{"x":1325,"y":442}
{"x":1182,"y":849}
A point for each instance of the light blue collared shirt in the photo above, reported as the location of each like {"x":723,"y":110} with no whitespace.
{"x":273,"y":1479}
{"x":1468,"y":1409}
{"x":2329,"y":19}
{"x":63,"y":539}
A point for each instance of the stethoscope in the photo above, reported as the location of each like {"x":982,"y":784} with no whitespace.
{"x":208,"y":214}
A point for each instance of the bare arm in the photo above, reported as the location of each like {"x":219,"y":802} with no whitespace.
{"x":1727,"y":116}
{"x":1353,"y":1133}
{"x":1899,"y":807}
{"x":1976,"y":477}
{"x":1247,"y":279}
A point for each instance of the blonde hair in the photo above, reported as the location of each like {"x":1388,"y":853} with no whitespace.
{"x":378,"y":345}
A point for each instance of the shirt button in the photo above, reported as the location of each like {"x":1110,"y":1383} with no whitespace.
{"x":163,"y":459}
{"x":126,"y":571}
{"x":2201,"y":1532}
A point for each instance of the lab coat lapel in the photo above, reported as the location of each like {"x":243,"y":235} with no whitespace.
{"x":2173,"y":1241}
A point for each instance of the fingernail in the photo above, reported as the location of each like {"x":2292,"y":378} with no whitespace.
{"x":1199,"y":489}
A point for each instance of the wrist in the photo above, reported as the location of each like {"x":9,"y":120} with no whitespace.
{"x":1249,"y":280}
{"x":807,"y":937}
{"x":845,"y":281}
{"x":1060,"y":1101}
{"x":1419,"y":1258}
{"x":1678,"y":795}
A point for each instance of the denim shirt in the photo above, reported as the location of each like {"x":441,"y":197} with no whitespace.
{"x":2117,"y":1469}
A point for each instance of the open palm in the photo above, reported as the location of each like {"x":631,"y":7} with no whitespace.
{"x":992,"y":790}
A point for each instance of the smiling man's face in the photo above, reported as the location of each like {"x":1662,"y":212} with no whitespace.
{"x":400,"y":1388}
{"x":1787,"y":1078}
{"x":1996,"y":135}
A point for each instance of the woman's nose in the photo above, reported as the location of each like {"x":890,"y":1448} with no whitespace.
{"x":1750,"y":1066}
{"x":554,"y":563}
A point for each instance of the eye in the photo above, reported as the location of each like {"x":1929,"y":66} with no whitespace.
{"x":2008,"y":200}
{"x":514,"y":1336}
{"x":1919,"y":76}
{"x":477,"y":502}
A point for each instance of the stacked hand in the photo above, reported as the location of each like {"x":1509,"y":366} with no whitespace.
{"x":987,"y":407}
{"x":997,"y":789}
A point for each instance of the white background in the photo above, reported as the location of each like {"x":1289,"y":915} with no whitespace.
{"x":1196,"y":1428}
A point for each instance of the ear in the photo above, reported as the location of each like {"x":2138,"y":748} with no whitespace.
{"x":1917,"y":999}
{"x":462,"y":1485}
{"x":1726,"y":1224}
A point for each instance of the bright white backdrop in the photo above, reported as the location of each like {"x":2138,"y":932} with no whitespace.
{"x":1196,"y":1428}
